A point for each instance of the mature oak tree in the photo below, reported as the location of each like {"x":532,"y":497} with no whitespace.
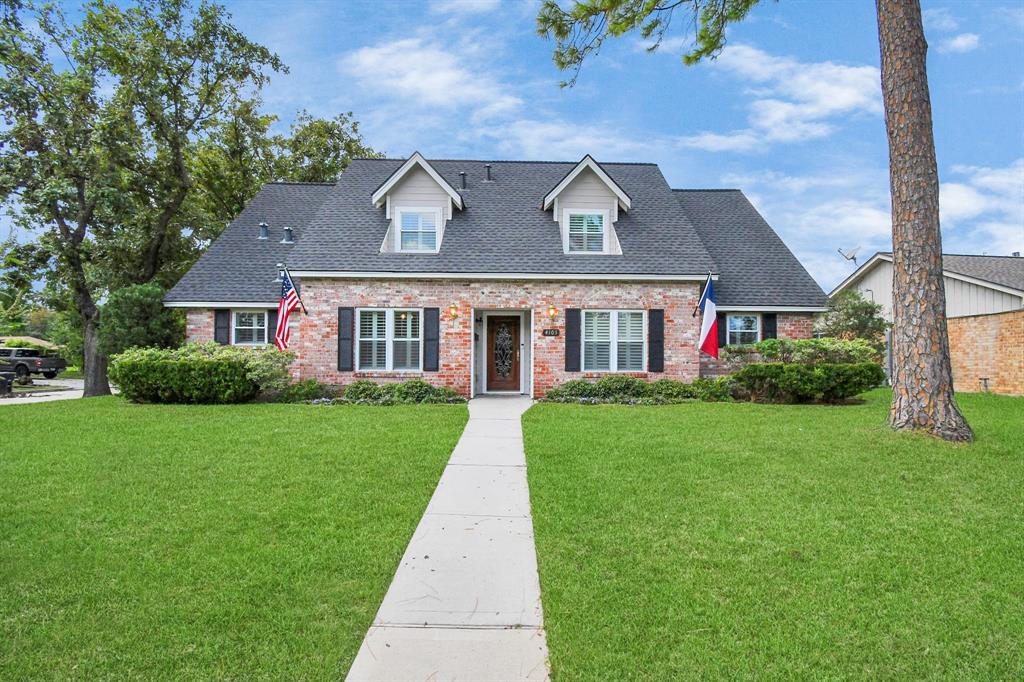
{"x":98,"y":119}
{"x":922,"y":377}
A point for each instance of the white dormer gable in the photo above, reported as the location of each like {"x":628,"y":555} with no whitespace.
{"x":586,"y":204}
{"x":419,"y":203}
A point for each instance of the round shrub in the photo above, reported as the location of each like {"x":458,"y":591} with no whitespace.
{"x":199,"y":373}
{"x":778,"y":382}
{"x":306,"y":391}
{"x":413,"y":391}
{"x":363,"y":391}
{"x":624,"y":386}
{"x":573,"y":390}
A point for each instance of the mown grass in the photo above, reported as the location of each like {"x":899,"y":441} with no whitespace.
{"x":709,"y":541}
{"x":180,"y":542}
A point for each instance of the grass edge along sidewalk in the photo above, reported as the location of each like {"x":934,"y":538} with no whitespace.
{"x":739,"y":540}
{"x":248,"y":541}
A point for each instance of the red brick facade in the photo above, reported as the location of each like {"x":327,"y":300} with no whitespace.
{"x":315,"y":337}
{"x":988,"y":347}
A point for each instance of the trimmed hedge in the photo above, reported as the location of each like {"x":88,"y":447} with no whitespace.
{"x":206,"y":373}
{"x":778,"y":382}
{"x":629,"y":390}
{"x":804,"y":351}
{"x":414,"y":391}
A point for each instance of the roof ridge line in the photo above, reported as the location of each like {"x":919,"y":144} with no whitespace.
{"x":573,"y":163}
{"x":706,"y":189}
{"x":300,"y":182}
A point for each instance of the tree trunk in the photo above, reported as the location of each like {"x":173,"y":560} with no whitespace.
{"x":922,"y":375}
{"x":95,"y":368}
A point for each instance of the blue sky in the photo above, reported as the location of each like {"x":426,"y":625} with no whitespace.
{"x":790,"y":113}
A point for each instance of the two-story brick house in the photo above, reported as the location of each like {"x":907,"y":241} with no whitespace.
{"x":501,"y":276}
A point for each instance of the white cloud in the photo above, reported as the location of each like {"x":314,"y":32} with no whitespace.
{"x":939,"y":19}
{"x":420,"y":75}
{"x":793,"y":101}
{"x":965,"y":42}
{"x":670,"y":45}
{"x":983,"y":211}
{"x":463,"y":6}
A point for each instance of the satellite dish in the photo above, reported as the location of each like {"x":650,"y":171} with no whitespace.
{"x":850,"y":255}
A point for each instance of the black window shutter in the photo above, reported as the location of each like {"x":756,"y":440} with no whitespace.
{"x":656,"y":340}
{"x":572,"y":339}
{"x":271,"y":324}
{"x":222,"y":326}
{"x":346,"y":329}
{"x":431,"y":338}
{"x":721,"y":330}
{"x":769,"y":326}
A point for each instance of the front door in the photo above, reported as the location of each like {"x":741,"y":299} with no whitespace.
{"x":503,"y":353}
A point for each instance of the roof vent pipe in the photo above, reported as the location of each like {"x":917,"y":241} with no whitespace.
{"x":488,"y":167}
{"x":462,"y":177}
{"x":264,"y":231}
{"x":289,"y":236}
{"x":1016,"y":254}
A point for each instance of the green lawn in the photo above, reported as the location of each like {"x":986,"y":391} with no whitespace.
{"x":177,"y":542}
{"x":753,"y":541}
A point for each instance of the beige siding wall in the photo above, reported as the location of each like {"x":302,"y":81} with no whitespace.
{"x":416,"y":190}
{"x":587,"y":191}
{"x":962,"y":298}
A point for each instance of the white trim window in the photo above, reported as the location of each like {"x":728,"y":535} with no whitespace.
{"x":249,"y":327}
{"x":389,"y":340}
{"x":742,"y":329}
{"x":614,"y":347}
{"x":586,"y":231}
{"x":418,"y":230}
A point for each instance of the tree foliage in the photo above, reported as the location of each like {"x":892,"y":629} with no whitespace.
{"x":851,"y":316}
{"x":135,"y":316}
{"x":581,"y":30}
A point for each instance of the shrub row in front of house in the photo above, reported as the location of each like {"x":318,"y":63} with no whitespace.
{"x":199,"y":373}
{"x":633,"y":391}
{"x":768,"y":382}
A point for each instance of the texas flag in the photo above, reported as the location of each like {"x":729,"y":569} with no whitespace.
{"x":708,"y":343}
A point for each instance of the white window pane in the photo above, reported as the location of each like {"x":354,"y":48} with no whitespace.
{"x":597,"y":326}
{"x":371,"y":324}
{"x":410,"y":241}
{"x":631,"y":356}
{"x":372,"y":354}
{"x":427,"y":221}
{"x":428,"y":240}
{"x":631,"y":326}
{"x":743,"y":323}
{"x":597,"y":356}
{"x":410,"y":221}
{"x":407,"y":324}
{"x":406,"y":355}
{"x":244,"y":335}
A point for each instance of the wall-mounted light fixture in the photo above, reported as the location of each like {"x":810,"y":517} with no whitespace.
{"x":453,"y":311}
{"x":552,"y":311}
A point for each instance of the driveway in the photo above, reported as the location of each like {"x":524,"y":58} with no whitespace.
{"x":75,"y":387}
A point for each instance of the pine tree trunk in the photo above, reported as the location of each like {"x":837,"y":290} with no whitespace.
{"x":95,"y":368}
{"x":922,"y":375}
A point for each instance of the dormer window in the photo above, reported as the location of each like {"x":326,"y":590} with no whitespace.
{"x":587,"y":232}
{"x":418,"y":230}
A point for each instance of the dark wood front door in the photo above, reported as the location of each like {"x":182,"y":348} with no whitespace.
{"x":503,"y":353}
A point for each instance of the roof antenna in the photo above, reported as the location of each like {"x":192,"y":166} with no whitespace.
{"x":462,"y":176}
{"x":849,"y":255}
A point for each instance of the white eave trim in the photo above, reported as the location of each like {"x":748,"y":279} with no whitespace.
{"x":380,"y":195}
{"x":771,"y":309}
{"x":219,"y":304}
{"x":334,"y":274}
{"x":588,"y":162}
{"x":862,"y":270}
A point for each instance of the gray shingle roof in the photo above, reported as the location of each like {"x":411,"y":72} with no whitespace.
{"x":755,"y":267}
{"x":240,"y":268}
{"x":503,"y":228}
{"x":1007,"y":271}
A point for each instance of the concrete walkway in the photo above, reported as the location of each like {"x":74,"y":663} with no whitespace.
{"x":465,"y":601}
{"x":75,"y":386}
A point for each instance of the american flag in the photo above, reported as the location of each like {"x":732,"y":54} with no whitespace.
{"x":289,"y":302}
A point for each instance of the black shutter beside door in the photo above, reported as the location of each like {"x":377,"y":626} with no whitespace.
{"x":656,"y":340}
{"x":222,"y":326}
{"x":431,"y":338}
{"x":346,"y":332}
{"x":769,"y":326}
{"x":572,"y":339}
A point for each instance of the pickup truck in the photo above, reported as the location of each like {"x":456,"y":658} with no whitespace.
{"x":25,"y":362}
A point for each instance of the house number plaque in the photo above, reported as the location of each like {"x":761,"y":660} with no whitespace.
{"x":550,"y":332}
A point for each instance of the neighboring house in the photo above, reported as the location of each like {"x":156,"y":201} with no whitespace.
{"x":500,"y":276}
{"x":975,"y":285}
